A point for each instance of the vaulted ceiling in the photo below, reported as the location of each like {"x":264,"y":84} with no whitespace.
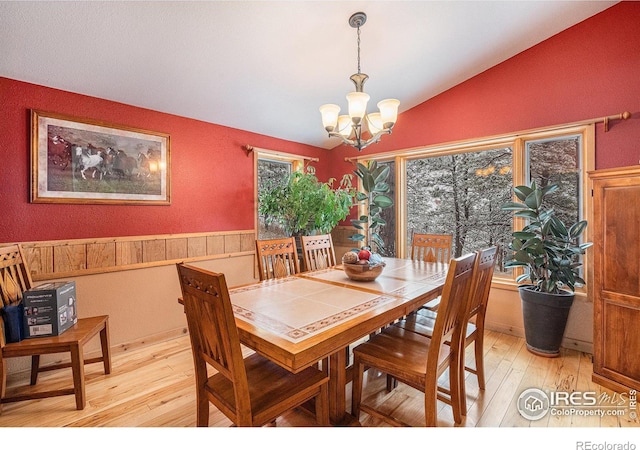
{"x":266,"y":66}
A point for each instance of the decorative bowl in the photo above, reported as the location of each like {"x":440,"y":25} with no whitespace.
{"x":363,"y":272}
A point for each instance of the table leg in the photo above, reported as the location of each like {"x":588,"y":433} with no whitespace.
{"x":337,"y":387}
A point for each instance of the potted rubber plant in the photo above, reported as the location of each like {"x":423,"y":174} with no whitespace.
{"x":550,"y":252}
{"x":365,"y":262}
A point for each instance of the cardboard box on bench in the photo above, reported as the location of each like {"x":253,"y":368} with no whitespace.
{"x":49,"y":309}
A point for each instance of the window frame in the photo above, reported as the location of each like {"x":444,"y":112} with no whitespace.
{"x":518,"y":143}
{"x":297,"y":165}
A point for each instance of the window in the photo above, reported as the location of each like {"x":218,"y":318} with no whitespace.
{"x":461,"y":194}
{"x":270,"y":173}
{"x":388,"y":233}
{"x":557,"y":161}
{"x":459,"y":189}
{"x":272,"y":167}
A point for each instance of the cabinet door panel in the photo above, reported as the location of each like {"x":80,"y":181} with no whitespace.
{"x":621,"y":243}
{"x":622,"y":334}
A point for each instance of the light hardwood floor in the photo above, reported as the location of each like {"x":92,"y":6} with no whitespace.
{"x":152,"y":386}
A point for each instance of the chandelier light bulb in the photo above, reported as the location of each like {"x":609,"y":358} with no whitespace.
{"x":344,"y":125}
{"x":374,"y":123}
{"x":329,"y":116}
{"x":357,"y":105}
{"x":388,"y":112}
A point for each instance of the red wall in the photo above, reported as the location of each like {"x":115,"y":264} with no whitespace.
{"x":212,"y":179}
{"x":589,"y":70}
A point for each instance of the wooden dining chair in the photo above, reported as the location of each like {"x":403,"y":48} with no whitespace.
{"x":318,"y":252}
{"x":431,"y":247}
{"x":424,"y":320}
{"x":277,"y":258}
{"x":15,"y":278}
{"x":417,"y":360}
{"x":250,"y":391}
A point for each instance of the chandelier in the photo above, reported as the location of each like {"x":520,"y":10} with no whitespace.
{"x":358,"y":128}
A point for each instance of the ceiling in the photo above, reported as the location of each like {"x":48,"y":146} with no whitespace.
{"x":266,"y":66}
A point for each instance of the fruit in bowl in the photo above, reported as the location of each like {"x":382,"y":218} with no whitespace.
{"x":350,"y":258}
{"x":375,"y":258}
{"x":362,"y":265}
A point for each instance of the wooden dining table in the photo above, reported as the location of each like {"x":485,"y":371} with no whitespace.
{"x":300,"y":320}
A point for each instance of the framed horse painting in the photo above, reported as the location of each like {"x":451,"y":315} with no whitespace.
{"x":75,"y":160}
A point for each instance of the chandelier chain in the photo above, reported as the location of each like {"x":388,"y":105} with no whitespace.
{"x":358,"y":49}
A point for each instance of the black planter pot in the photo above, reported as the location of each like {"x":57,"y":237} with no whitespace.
{"x":545,"y":319}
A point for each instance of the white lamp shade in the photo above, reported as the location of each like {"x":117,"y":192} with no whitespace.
{"x":329,"y":116}
{"x":344,"y":126}
{"x":357,"y":105}
{"x":374,"y":122}
{"x":389,"y":111}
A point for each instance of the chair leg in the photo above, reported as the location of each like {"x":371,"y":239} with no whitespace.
{"x":479,"y":353}
{"x":392,"y":383}
{"x":356,"y":387}
{"x":77,"y":367}
{"x":35,"y":369}
{"x":202,"y":413}
{"x":456,"y":381}
{"x":106,"y":349}
{"x":462,"y":388}
{"x":322,"y":406}
{"x":431,"y":402}
{"x":3,"y":379}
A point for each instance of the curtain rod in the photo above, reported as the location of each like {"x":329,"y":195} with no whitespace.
{"x":485,"y":141}
{"x":250,"y":148}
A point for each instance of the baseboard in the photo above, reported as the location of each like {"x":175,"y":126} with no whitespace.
{"x":506,"y":329}
{"x":578,"y":345}
{"x":574,"y":344}
{"x":160,"y":337}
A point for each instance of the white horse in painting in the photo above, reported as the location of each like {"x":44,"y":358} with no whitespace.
{"x":88,"y":162}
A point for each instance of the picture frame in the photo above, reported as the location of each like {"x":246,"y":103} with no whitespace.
{"x":78,"y":160}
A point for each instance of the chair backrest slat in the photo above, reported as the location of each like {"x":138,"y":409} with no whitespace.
{"x":212,"y":330}
{"x":318,"y":252}
{"x":482,"y":281}
{"x":14,"y":275}
{"x":277,"y":258}
{"x":431,"y":247}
